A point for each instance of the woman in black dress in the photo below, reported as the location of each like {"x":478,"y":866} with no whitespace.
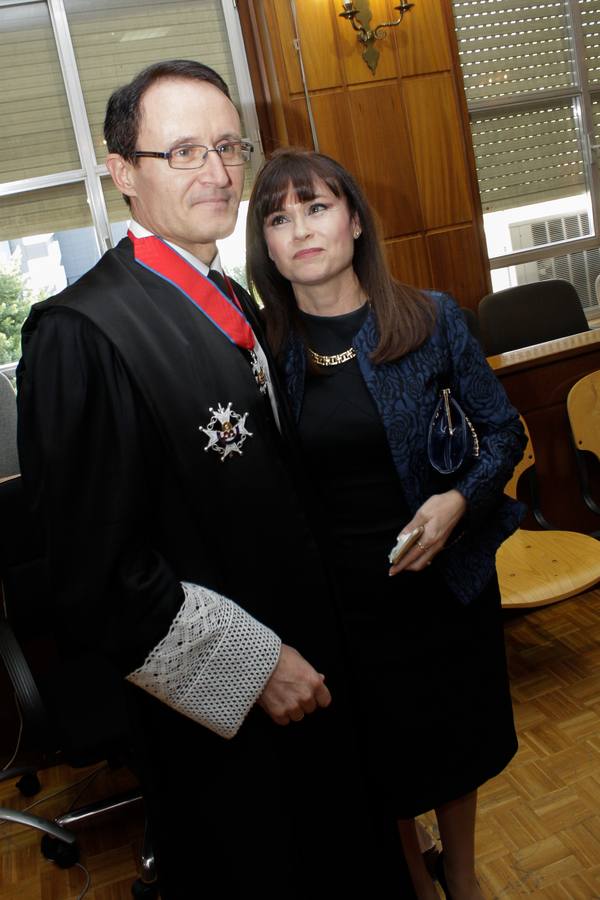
{"x":364,"y":360}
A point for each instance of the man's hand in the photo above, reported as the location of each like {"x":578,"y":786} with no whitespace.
{"x":293,"y":689}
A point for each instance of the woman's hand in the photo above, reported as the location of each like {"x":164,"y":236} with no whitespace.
{"x":439,"y":515}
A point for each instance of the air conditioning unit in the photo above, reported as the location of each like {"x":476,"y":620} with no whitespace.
{"x":581,"y":268}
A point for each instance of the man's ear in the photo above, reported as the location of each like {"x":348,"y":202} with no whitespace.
{"x":122,"y":173}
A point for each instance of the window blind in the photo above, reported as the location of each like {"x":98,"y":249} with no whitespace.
{"x":589,"y":10}
{"x":527,"y":155}
{"x":44,"y":211}
{"x":596,"y":119}
{"x":507,"y":47}
{"x":112,"y":41}
{"x":37,"y":137}
{"x":116,"y":39}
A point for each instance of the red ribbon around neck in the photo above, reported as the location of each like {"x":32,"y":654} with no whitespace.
{"x":222,"y":310}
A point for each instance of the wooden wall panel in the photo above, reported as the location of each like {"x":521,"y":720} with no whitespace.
{"x":333,"y":119}
{"x":316,"y":27}
{"x":298,"y":128}
{"x":438,"y":147}
{"x":409,"y":261}
{"x":403,"y":131}
{"x":456,"y":264}
{"x":279,"y":21}
{"x":423,"y":41}
{"x":386,"y":168}
{"x":355,"y":68}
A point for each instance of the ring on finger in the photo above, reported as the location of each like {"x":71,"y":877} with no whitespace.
{"x":421,"y":546}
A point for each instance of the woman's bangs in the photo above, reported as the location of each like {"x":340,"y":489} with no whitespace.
{"x":297,"y":178}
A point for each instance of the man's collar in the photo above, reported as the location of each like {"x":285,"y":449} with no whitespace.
{"x":140,"y":232}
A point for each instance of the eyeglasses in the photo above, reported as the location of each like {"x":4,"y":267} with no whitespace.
{"x":193,"y":156}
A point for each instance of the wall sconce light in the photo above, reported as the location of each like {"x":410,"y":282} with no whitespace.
{"x":362,"y":11}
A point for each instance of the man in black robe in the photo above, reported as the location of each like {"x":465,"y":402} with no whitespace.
{"x":155,"y":449}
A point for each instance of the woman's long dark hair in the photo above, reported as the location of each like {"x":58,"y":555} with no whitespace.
{"x":405,"y":316}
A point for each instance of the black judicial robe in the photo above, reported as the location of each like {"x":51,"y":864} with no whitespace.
{"x":118,"y":376}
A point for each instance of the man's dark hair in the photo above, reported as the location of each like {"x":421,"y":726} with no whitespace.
{"x":122,"y":120}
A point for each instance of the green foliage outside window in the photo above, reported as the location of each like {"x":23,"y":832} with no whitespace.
{"x":16,"y":298}
{"x":238,"y":273}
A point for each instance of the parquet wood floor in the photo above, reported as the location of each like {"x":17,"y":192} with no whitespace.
{"x":109,"y":849}
{"x":538,"y":831}
{"x":539,"y":821}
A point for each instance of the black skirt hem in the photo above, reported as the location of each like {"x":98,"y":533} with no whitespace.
{"x":467,"y":787}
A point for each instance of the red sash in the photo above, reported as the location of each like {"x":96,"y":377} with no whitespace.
{"x":222,"y":310}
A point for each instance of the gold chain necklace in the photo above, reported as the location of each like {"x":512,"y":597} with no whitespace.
{"x":336,"y":360}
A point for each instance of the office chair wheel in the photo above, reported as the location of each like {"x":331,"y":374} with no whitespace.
{"x":64,"y":855}
{"x":144,"y":891}
{"x":29,"y":785}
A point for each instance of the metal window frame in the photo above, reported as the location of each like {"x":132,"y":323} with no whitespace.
{"x":92,"y":171}
{"x":244,"y":82}
{"x":41,"y":181}
{"x":86,"y":175}
{"x":80,"y":122}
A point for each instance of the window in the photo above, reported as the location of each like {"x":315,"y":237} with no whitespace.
{"x":59,"y":62}
{"x":532,"y":79}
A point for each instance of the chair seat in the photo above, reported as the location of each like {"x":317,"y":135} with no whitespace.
{"x":539,"y":567}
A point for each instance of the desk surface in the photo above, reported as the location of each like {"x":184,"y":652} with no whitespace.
{"x":549,"y":351}
{"x":538,"y":379}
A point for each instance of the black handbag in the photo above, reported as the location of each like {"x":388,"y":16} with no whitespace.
{"x":452,"y":439}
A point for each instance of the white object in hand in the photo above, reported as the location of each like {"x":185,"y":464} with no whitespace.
{"x":405,"y":541}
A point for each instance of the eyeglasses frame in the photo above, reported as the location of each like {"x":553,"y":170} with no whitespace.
{"x":168,"y":154}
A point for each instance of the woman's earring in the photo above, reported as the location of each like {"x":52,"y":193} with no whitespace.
{"x":357,"y":233}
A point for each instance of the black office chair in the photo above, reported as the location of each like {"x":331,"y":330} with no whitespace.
{"x":472,"y":321}
{"x":73,"y":710}
{"x":530,"y":314}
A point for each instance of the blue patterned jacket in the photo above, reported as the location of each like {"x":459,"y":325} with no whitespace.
{"x":405,"y":393}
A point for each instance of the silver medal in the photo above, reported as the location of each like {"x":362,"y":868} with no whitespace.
{"x":226,"y":431}
{"x":259,"y":373}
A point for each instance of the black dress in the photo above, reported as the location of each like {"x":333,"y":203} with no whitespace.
{"x":431,"y":672}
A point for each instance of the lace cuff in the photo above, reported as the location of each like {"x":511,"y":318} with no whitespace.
{"x":213,"y":664}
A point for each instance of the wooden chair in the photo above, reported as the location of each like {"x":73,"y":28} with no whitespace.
{"x":583,"y":407}
{"x":540,"y":567}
